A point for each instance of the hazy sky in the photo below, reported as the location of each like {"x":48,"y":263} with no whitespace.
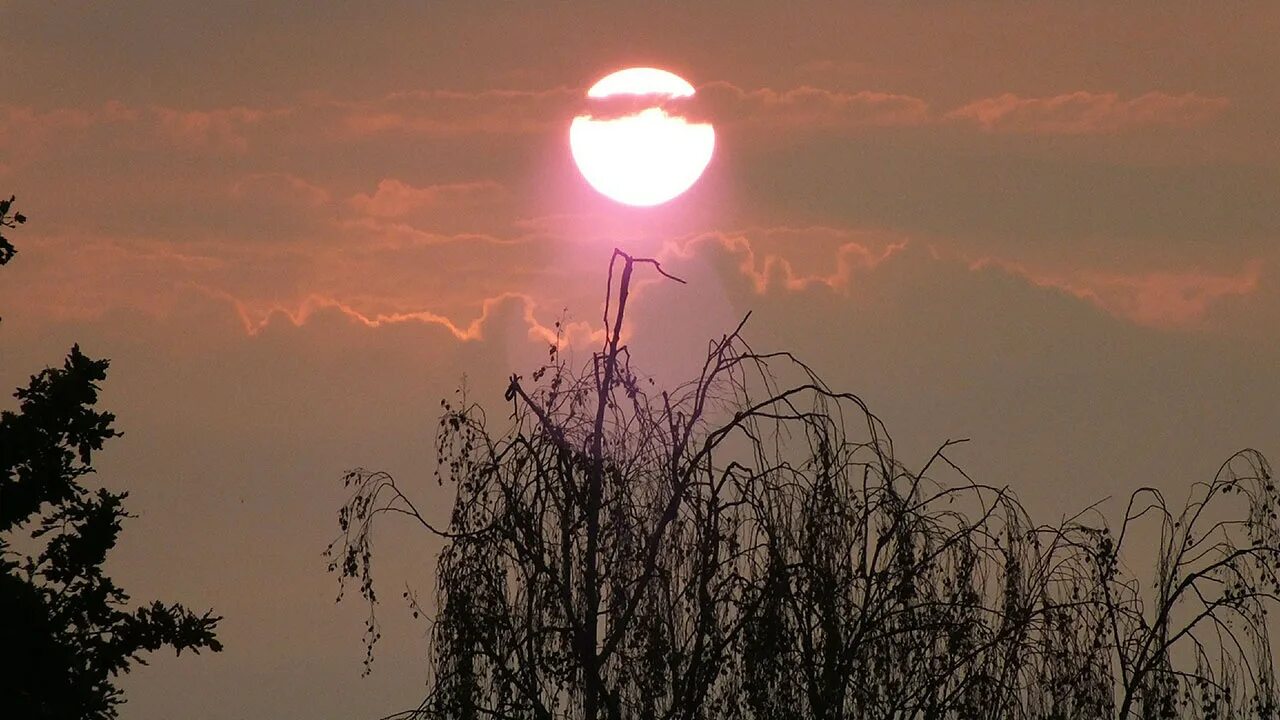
{"x":294,"y":228}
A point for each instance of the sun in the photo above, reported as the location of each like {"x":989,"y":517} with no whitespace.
{"x":646,"y":156}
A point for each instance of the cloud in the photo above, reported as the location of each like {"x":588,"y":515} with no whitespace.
{"x":808,"y":107}
{"x":1161,"y":299}
{"x":1086,"y":113}
{"x":280,"y":207}
{"x":82,"y":275}
{"x":394,"y":198}
{"x":256,"y":319}
{"x":444,"y":113}
{"x":451,"y":113}
{"x":219,"y":129}
{"x":447,"y":114}
{"x":398,"y":275}
{"x":769,"y":259}
{"x":372,"y":280}
{"x":279,"y":189}
{"x":804,"y":107}
{"x":272,"y":209}
{"x":762,"y":262}
{"x":379,"y":235}
{"x":24,"y":129}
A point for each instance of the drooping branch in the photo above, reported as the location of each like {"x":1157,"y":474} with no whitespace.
{"x":747,"y":545}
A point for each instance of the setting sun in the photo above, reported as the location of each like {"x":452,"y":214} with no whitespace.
{"x":646,"y":157}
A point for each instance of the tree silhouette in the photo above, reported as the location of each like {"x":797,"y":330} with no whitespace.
{"x":65,"y":632}
{"x":8,"y":220}
{"x":747,"y":545}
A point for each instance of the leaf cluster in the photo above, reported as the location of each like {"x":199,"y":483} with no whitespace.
{"x":66,"y":630}
{"x":8,"y":220}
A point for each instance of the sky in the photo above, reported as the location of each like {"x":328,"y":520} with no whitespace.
{"x":1052,"y":228}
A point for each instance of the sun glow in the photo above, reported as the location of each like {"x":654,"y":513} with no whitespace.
{"x":646,"y":157}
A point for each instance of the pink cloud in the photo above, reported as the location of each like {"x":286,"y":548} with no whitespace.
{"x":1086,"y":113}
{"x":1159,"y":299}
{"x":440,"y":113}
{"x":808,"y":107}
{"x":220,"y":128}
{"x":401,"y":275}
{"x":257,"y":317}
{"x":394,"y":198}
{"x":849,"y":252}
{"x":384,"y":236}
{"x":262,"y":285}
{"x":449,"y":113}
{"x":521,"y":112}
{"x":107,"y":273}
{"x":24,"y":128}
{"x":279,"y":189}
{"x":768,"y":259}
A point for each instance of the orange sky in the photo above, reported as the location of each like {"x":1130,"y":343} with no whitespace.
{"x":1052,"y":228}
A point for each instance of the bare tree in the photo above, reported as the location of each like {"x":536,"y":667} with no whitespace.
{"x":746,"y":545}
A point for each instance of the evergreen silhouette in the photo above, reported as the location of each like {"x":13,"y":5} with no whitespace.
{"x":747,"y":545}
{"x":65,"y":629}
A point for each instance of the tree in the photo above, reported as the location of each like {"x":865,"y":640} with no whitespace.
{"x":8,"y":220}
{"x":747,"y":545}
{"x":65,"y":630}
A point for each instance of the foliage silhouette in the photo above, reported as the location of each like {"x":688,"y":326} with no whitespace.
{"x":8,"y":220}
{"x":747,"y":546}
{"x":65,"y":633}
